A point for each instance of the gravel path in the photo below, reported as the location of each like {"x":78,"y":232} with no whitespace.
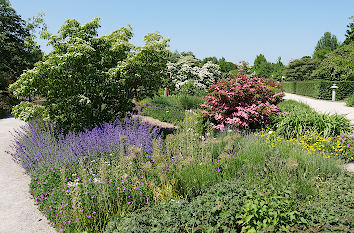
{"x":324,"y":106}
{"x":18,"y":214}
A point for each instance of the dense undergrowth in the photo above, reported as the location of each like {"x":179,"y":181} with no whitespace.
{"x":271,"y":168}
{"x":193,"y":181}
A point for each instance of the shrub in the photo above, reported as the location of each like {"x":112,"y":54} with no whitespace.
{"x":308,"y":88}
{"x":350,"y":101}
{"x":242,"y":102}
{"x":88,"y":79}
{"x":289,"y":87}
{"x":320,"y":89}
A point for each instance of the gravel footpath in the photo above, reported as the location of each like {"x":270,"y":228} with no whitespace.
{"x":324,"y":106}
{"x":18,"y":214}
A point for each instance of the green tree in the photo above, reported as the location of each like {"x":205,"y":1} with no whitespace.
{"x":226,"y":66}
{"x":327,"y":40}
{"x":262,"y":67}
{"x":301,"y":69}
{"x":17,"y":52}
{"x":349,"y":35}
{"x":327,"y":43}
{"x":89,"y":79}
{"x":278,"y":69}
{"x":338,"y":65}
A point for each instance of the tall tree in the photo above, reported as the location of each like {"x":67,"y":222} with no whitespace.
{"x":262,"y":67}
{"x":16,"y":54}
{"x":349,"y":35}
{"x":278,"y":69}
{"x":326,"y":44}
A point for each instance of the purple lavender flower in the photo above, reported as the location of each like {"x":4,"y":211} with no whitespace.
{"x":38,"y":145}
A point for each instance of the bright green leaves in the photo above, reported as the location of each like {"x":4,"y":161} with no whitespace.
{"x":89,"y":79}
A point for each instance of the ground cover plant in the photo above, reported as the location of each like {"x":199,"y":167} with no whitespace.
{"x":276,"y":189}
{"x":84,"y":195}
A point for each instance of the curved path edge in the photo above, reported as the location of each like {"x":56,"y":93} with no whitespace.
{"x":18,"y":213}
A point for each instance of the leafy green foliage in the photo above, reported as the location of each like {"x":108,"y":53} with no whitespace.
{"x":349,"y":34}
{"x":88,"y":79}
{"x":16,"y":54}
{"x":332,"y":209}
{"x":301,"y":69}
{"x":217,"y":210}
{"x":262,"y":67}
{"x":270,"y":210}
{"x":169,"y":109}
{"x":327,"y":41}
{"x":350,"y":101}
{"x":338,"y":65}
{"x":297,"y":119}
{"x":5,"y":105}
{"x":320,"y":89}
{"x":225,"y":66}
{"x":289,"y":87}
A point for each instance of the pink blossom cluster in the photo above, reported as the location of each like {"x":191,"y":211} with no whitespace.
{"x":241,"y":101}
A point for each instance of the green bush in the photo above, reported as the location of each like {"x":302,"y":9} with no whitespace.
{"x":298,"y":118}
{"x":345,"y":88}
{"x":289,"y":87}
{"x":320,"y":89}
{"x":308,"y":88}
{"x":350,"y":101}
{"x":189,"y":88}
{"x":88,"y":80}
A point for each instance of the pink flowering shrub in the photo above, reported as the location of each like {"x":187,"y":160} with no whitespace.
{"x":242,"y":101}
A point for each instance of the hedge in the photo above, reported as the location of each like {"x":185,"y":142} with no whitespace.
{"x":319,"y":89}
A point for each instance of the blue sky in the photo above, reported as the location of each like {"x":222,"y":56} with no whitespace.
{"x":236,"y":30}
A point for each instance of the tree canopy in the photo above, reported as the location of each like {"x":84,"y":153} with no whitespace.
{"x":89,"y":79}
{"x":301,"y":69}
{"x":349,"y":35}
{"x":338,"y":65}
{"x":327,"y":43}
{"x":16,"y":55}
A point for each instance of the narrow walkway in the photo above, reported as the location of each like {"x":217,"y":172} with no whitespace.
{"x":18,"y":214}
{"x":324,"y":106}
